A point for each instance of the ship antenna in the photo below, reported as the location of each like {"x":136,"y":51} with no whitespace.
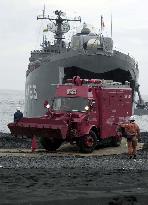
{"x":111,"y":26}
{"x":61,"y":24}
{"x":43,"y":40}
{"x":44,"y":11}
{"x":102,"y":23}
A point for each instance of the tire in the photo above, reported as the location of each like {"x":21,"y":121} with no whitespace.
{"x":88,"y":142}
{"x":50,"y":145}
{"x":116,"y":142}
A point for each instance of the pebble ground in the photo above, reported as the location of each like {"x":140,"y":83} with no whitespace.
{"x":45,"y":160}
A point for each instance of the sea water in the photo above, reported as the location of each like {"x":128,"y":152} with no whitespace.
{"x":9,"y":101}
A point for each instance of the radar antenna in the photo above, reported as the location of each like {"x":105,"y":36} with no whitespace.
{"x":60,"y":26}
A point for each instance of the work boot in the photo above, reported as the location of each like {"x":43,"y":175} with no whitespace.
{"x":134,"y":157}
{"x":130,"y":157}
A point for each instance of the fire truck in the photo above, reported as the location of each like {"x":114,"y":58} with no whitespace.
{"x":84,"y":111}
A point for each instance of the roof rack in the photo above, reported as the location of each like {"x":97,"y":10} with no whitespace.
{"x":96,"y":82}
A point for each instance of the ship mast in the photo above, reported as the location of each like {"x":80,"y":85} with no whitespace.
{"x":60,"y":25}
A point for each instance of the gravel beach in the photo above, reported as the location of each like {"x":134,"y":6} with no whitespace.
{"x":52,"y":179}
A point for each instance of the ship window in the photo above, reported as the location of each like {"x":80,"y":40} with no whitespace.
{"x":76,"y":42}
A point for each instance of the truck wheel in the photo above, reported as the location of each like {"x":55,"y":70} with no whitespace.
{"x":116,"y":142}
{"x":88,"y":142}
{"x":50,"y":145}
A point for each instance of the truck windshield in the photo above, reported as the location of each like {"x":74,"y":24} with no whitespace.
{"x":70,"y":104}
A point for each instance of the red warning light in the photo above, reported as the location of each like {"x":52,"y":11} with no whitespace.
{"x":95,"y":81}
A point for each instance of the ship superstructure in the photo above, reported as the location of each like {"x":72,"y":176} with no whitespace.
{"x":88,"y":55}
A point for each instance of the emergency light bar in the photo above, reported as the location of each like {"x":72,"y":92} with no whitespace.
{"x":78,"y":81}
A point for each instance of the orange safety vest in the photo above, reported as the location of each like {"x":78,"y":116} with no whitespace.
{"x":131,"y":128}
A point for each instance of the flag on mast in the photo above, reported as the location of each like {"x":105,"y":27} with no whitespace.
{"x":102,"y":23}
{"x":111,"y":26}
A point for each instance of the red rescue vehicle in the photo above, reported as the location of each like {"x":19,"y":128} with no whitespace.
{"x":85,"y":112}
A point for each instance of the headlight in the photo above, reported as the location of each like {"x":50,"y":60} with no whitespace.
{"x":48,"y":106}
{"x":86,"y":107}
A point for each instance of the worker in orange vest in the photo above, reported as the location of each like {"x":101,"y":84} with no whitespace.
{"x":131,"y":132}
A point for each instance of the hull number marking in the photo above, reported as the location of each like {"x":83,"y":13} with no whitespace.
{"x":31,"y":92}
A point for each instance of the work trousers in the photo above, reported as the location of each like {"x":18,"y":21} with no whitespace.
{"x":132,"y":146}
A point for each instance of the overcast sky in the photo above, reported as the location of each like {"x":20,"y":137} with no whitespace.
{"x":20,"y":32}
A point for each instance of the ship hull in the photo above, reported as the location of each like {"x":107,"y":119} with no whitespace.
{"x":41,"y":82}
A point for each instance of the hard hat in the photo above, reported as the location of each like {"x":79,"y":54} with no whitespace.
{"x":132,"y":118}
{"x":18,"y":108}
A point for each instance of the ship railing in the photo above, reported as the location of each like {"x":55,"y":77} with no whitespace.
{"x":127,"y":54}
{"x":96,"y":52}
{"x":44,"y":51}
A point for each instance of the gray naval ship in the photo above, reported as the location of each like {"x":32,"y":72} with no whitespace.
{"x":88,"y":55}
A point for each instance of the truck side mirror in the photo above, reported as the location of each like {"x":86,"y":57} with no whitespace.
{"x":46,"y":103}
{"x":92,"y":105}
